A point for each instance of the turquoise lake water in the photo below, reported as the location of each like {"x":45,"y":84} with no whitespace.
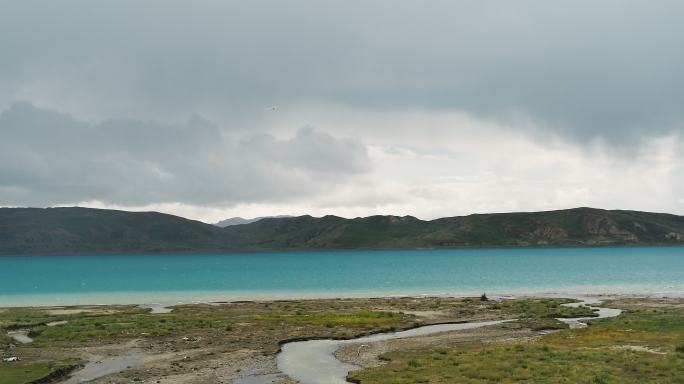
{"x":172,"y":278}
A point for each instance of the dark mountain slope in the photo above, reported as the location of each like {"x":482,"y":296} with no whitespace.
{"x":580,"y":226}
{"x":80,"y":230}
{"x":83,"y":230}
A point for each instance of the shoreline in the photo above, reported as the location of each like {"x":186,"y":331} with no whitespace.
{"x":334,"y":250}
{"x":164,"y":305}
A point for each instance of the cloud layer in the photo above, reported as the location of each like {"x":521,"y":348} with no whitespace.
{"x":584,"y":68}
{"x":431,"y":109}
{"x":49,"y":158}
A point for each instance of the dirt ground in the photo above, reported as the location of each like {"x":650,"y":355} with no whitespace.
{"x":366,"y":355}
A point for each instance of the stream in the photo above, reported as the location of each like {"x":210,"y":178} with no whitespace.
{"x":580,"y":322}
{"x":314,"y":361}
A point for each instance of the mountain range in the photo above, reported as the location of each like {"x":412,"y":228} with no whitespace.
{"x":74,"y":230}
{"x":240,"y":220}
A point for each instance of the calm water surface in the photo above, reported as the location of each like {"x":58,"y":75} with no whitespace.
{"x":171,"y":278}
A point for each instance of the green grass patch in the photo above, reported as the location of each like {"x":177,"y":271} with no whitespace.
{"x":526,"y":364}
{"x":639,"y":346}
{"x":660,"y":329}
{"x":26,"y":372}
{"x":23,"y":318}
{"x":364,"y":318}
{"x":208,"y":320}
{"x":127,"y":326}
{"x":540,"y":314}
{"x":345,"y":318}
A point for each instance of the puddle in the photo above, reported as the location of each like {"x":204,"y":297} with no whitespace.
{"x":20,"y":336}
{"x":156,"y":308}
{"x":55,"y":323}
{"x":96,"y":369}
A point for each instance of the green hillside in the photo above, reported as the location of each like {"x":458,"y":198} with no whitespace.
{"x":84,"y":230}
{"x":81,"y":230}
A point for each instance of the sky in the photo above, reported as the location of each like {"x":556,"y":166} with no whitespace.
{"x":215,"y":109}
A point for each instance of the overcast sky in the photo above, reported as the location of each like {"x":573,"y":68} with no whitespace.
{"x":213,"y":109}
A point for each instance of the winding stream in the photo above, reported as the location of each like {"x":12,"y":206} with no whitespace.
{"x":580,"y":322}
{"x":314,"y":361}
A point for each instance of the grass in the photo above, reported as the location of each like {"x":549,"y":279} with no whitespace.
{"x":4,"y":340}
{"x":543,"y":308}
{"x":640,"y":346}
{"x":257,"y":326}
{"x":250,"y":318}
{"x":537,"y":314}
{"x":653,"y":328}
{"x":20,"y":318}
{"x":526,"y":364}
{"x":335,"y":318}
{"x":27,"y":372}
{"x":364,"y":318}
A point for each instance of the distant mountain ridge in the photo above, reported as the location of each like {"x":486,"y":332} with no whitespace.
{"x":87,"y":230}
{"x":240,"y":220}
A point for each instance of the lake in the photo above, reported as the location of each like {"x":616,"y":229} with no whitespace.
{"x":173,"y":278}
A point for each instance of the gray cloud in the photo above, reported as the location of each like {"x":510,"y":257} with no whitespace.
{"x":492,"y":105}
{"x":49,"y":158}
{"x":583,"y":69}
